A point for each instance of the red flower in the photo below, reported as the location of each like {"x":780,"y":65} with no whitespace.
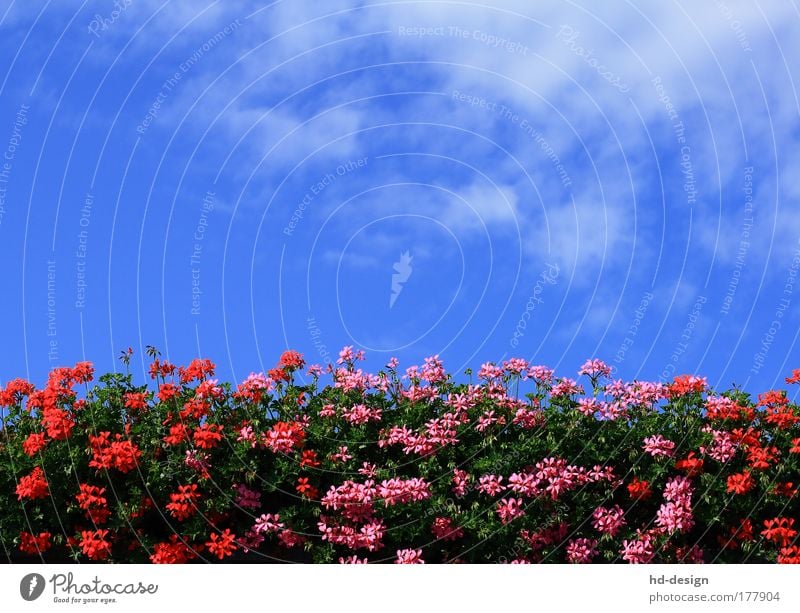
{"x":34,"y":443}
{"x":687,"y":384}
{"x":83,"y":372}
{"x":795,"y":378}
{"x":94,"y":544}
{"x":183,"y":503}
{"x":92,"y":500}
{"x":32,"y":544}
{"x":164,"y":369}
{"x":136,"y":401}
{"x":304,"y":488}
{"x":221,"y":545}
{"x":781,"y":416}
{"x":57,"y":423}
{"x":197,"y":408}
{"x":740,"y":483}
{"x":789,"y":555}
{"x":33,"y":486}
{"x":292,"y":360}
{"x":309,"y":458}
{"x":178,"y":433}
{"x":691,"y":465}
{"x":15,"y":391}
{"x":772,"y":398}
{"x":786,"y":488}
{"x":639,"y":489}
{"x":779,"y":530}
{"x":197,"y":370}
{"x":120,"y":454}
{"x":207,"y":436}
{"x":168,"y":391}
{"x":277,"y":374}
{"x":173,"y":552}
{"x":759,"y":458}
{"x":795,"y":446}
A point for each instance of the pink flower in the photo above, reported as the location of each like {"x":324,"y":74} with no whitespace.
{"x":460,"y":482}
{"x":489,"y":372}
{"x":400,"y":491}
{"x":581,"y":551}
{"x":486,"y":420}
{"x":639,"y":550}
{"x":361,"y":414}
{"x":541,"y":374}
{"x":675,"y":515}
{"x":595,"y":368}
{"x":608,"y":521}
{"x":341,"y":455}
{"x":566,"y":387}
{"x":516,"y":366}
{"x":409,"y":556}
{"x":658,"y":446}
{"x":490,"y":484}
{"x":433,"y":370}
{"x":353,"y":560}
{"x":246,"y":435}
{"x":268,"y":523}
{"x":346,"y":355}
{"x":588,"y":406}
{"x":368,"y":470}
{"x":444,"y":529}
{"x":509,"y":509}
{"x":327,"y":410}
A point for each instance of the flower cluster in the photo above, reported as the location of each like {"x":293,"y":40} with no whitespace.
{"x":331,"y":463}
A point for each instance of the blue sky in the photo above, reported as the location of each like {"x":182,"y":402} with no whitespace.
{"x":548,"y":180}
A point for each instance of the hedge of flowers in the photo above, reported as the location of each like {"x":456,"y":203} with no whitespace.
{"x":313,"y":464}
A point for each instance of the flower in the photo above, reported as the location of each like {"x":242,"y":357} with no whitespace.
{"x":304,"y":488}
{"x":639,"y":550}
{"x":691,"y":464}
{"x":595,"y":368}
{"x":94,"y":545}
{"x":292,"y":360}
{"x":92,"y":499}
{"x":207,"y":436}
{"x":409,"y":556}
{"x":57,"y":423}
{"x":183,"y":503}
{"x":789,"y":555}
{"x":34,"y":443}
{"x":491,"y":485}
{"x":740,"y":483}
{"x":196,"y":371}
{"x":779,"y":530}
{"x":608,"y":521}
{"x":687,"y":384}
{"x":444,"y":529}
{"x":509,"y":509}
{"x":658,"y":446}
{"x":33,"y":486}
{"x":221,"y":545}
{"x":34,"y":544}
{"x":136,"y":401}
{"x":581,"y":551}
{"x":175,"y":551}
{"x":639,"y":489}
